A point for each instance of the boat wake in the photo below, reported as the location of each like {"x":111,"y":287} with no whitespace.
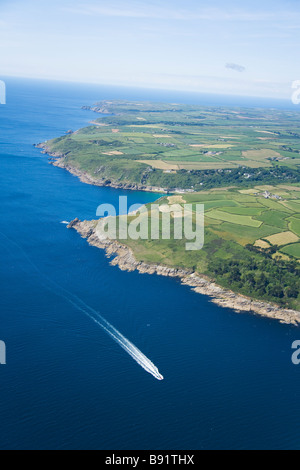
{"x":132,"y":350}
{"x":125,"y":344}
{"x":121,"y":340}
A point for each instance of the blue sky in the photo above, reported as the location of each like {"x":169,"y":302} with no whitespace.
{"x":248,"y":48}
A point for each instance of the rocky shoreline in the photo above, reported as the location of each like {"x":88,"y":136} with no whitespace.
{"x":60,"y":161}
{"x":123,"y":257}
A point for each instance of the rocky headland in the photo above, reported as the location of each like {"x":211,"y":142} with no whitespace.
{"x":122,"y":256}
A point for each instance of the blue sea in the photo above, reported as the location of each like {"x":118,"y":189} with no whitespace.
{"x":229,"y":380}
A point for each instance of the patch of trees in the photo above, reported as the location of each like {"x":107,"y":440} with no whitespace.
{"x":271,"y":279}
{"x":105,"y":143}
{"x":273,"y":175}
{"x":207,"y":179}
{"x":267,"y":252}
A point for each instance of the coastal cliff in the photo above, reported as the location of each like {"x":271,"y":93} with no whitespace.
{"x":60,"y":161}
{"x":123,"y":257}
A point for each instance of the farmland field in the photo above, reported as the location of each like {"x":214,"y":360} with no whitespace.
{"x":234,"y":219}
{"x":292,"y":250}
{"x":295,"y":226}
{"x":284,"y":238}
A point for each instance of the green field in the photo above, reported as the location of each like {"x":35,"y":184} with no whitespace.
{"x":244,"y":220}
{"x":295,"y":225}
{"x":292,"y":250}
{"x":275,"y":218}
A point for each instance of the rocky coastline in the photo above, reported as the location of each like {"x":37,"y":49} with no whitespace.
{"x":123,"y":257}
{"x":60,"y":161}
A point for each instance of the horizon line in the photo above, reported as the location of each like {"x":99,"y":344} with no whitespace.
{"x":144,"y":87}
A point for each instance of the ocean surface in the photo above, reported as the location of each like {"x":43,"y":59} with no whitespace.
{"x":229,"y":380}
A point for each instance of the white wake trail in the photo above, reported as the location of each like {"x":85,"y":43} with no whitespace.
{"x":132,"y":350}
{"x":122,"y":341}
{"x":125,"y":344}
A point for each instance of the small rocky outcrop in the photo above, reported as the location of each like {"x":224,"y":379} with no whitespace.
{"x":73,"y":223}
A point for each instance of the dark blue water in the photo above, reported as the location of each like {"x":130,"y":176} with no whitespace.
{"x":229,"y":381}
